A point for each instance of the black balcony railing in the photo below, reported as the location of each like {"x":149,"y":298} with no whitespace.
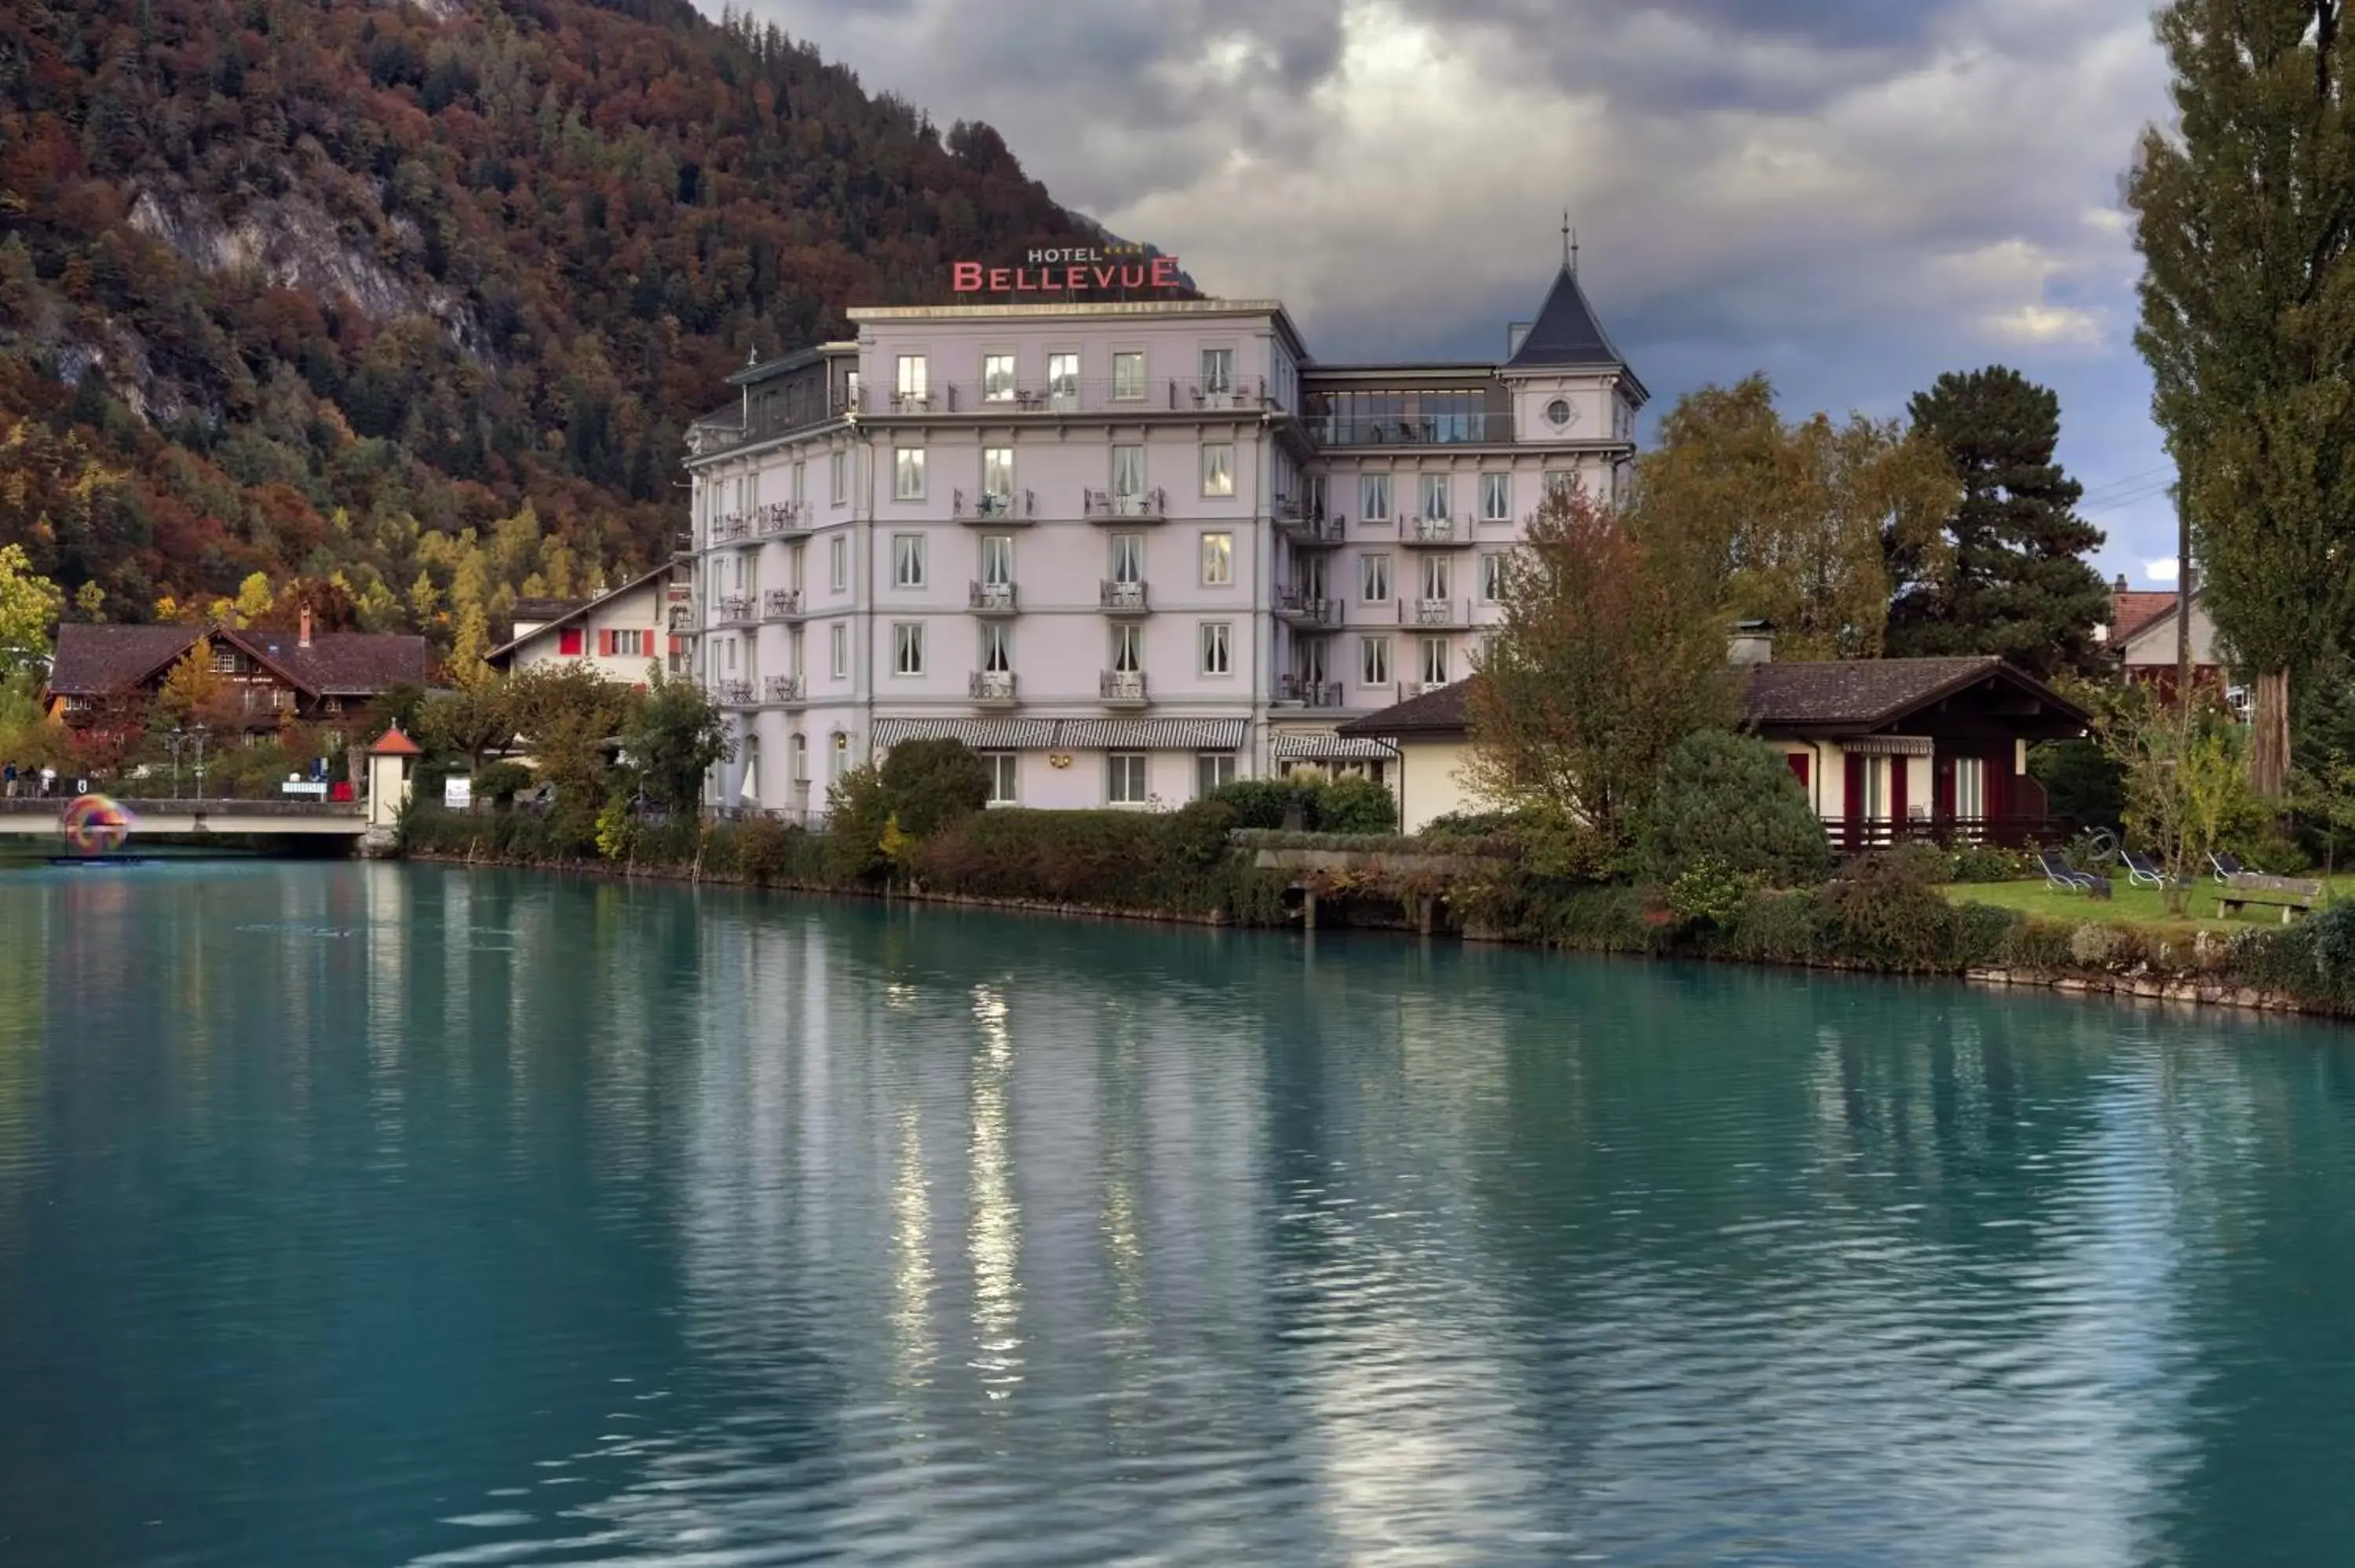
{"x":1018,"y":398}
{"x":734,"y":694}
{"x":733,"y":529}
{"x":991,"y":686}
{"x":1122,"y":506}
{"x":732,"y":609}
{"x":1302,"y":689}
{"x":1311,"y":530}
{"x":1123,"y":686}
{"x":1017,"y":506}
{"x":991,"y":598}
{"x":783,"y":519}
{"x":1435,"y":532}
{"x":1124,"y":599}
{"x":780,"y":604}
{"x":1302,"y":609}
{"x":781,"y":689}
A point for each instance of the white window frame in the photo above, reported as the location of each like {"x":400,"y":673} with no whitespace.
{"x":1434,"y":658}
{"x":839,"y":477}
{"x":1559,"y":483}
{"x":838,"y":563}
{"x":1128,"y":469}
{"x":996,"y":648}
{"x":907,"y":648}
{"x":1121,"y":391}
{"x":1128,"y":779}
{"x":908,"y":464}
{"x":1128,"y":649}
{"x":1213,"y":771}
{"x":1373,"y":498}
{"x":1219,"y":469}
{"x":1494,"y":565}
{"x":1063,"y":379}
{"x":838,"y":650}
{"x":1496,"y":498}
{"x":997,"y":473}
{"x":1217,"y":648}
{"x":997,"y":560}
{"x":1437,"y":494}
{"x":1218,"y":369}
{"x":1436,"y":581}
{"x":1375,"y":584}
{"x":1004,"y":772}
{"x":1374,"y":662}
{"x":907,"y":560}
{"x":914,"y":377}
{"x":1127,"y":557}
{"x":1218,"y":559}
{"x":998,"y":378}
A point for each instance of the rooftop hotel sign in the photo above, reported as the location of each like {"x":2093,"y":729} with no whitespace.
{"x":1068,"y":269}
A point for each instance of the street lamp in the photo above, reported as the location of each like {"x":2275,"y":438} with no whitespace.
{"x":202,"y":731}
{"x":176,"y":740}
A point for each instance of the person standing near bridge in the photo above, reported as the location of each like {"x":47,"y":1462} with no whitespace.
{"x":8,"y":775}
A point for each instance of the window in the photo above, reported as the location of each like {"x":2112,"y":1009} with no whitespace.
{"x":907,"y":648}
{"x":997,"y":560}
{"x":908,"y":473}
{"x":1213,"y":771}
{"x":1001,"y":765}
{"x":840,"y":763}
{"x":1128,"y":374}
{"x":1496,"y":498}
{"x":1128,"y":557}
{"x":1218,"y":648}
{"x":1218,"y":370}
{"x":1127,"y":472}
{"x":1219,"y":469}
{"x":996,"y":648}
{"x":1876,"y":788}
{"x":1435,"y":578}
{"x":624,"y":643}
{"x":1487,"y":655}
{"x":225,"y":661}
{"x":1970,"y":788}
{"x":1434,"y":661}
{"x":997,"y":378}
{"x":1127,"y":649}
{"x":997,"y":473}
{"x":1373,"y":661}
{"x":1435,"y":497}
{"x":568,"y":645}
{"x":839,"y":477}
{"x":851,"y":390}
{"x":1374,"y":497}
{"x":1559,"y":482}
{"x":801,"y":478}
{"x":801,"y":757}
{"x":838,"y":563}
{"x":1124,"y":779}
{"x":838,"y":650}
{"x":913,"y":383}
{"x":1064,"y":379}
{"x":1218,"y":560}
{"x":1374,"y":579}
{"x":907,"y":560}
{"x":1492,"y":577}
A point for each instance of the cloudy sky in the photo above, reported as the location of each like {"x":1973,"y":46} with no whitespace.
{"x":1852,"y":196}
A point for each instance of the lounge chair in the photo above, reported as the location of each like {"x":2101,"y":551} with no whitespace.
{"x":2145,"y":871}
{"x":2226,"y":865}
{"x":2060,"y":873}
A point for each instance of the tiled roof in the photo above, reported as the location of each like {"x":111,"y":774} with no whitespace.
{"x":1863,"y":693}
{"x":341,"y":663}
{"x":539,"y":611}
{"x":1565,"y":331}
{"x":1438,"y":711}
{"x":2133,"y":612}
{"x":92,"y":661}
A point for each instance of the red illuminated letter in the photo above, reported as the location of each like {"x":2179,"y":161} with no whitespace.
{"x":966,"y":276}
{"x":1000,"y":279}
{"x":1165,"y":272}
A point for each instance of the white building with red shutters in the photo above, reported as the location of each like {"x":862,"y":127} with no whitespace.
{"x":619,"y":634}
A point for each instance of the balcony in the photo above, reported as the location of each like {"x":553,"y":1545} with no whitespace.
{"x":1310,"y":693}
{"x":732,"y":610}
{"x":1106,"y":506}
{"x":1309,"y":530}
{"x":1295,"y":607}
{"x":1434,"y":533}
{"x":1412,"y":430}
{"x":999,"y":511}
{"x":1123,"y":688}
{"x":734,"y":694}
{"x":781,"y":689}
{"x":783,"y":520}
{"x":682,"y":545}
{"x":1436,"y":614}
{"x":733,"y":529}
{"x":1124,"y":599}
{"x":992,"y":688}
{"x":1050,"y":399}
{"x":682,"y":617}
{"x":992,"y":599}
{"x":782,"y":604}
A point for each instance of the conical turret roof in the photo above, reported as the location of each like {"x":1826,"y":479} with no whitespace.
{"x":1566,"y":331}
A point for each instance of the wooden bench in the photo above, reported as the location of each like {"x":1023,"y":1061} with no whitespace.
{"x":2290,"y":895}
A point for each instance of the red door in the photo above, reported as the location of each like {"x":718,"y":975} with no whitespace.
{"x":1898,"y":768}
{"x":1852,"y":808}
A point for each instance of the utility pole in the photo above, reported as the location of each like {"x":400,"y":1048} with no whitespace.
{"x":2182,"y":600}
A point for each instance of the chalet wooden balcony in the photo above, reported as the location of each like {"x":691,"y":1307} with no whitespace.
{"x":1124,"y":600}
{"x":1857,"y":836}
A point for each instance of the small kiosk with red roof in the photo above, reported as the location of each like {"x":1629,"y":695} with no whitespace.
{"x":390,"y":761}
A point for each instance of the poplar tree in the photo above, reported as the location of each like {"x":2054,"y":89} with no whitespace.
{"x":2014,"y":579}
{"x":2243,"y":212}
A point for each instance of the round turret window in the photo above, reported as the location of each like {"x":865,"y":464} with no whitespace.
{"x":1559,"y":413}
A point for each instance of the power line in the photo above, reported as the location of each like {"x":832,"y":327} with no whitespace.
{"x":2097,"y":493}
{"x":2131,"y":498}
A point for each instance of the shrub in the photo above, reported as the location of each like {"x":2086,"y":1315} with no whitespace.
{"x":501,"y":782}
{"x":1198,"y":832}
{"x":1731,"y":802}
{"x":1883,"y":913}
{"x":1259,"y":803}
{"x":1776,"y":929}
{"x":1353,"y":804}
{"x":1986,"y":863}
{"x":1710,"y":893}
{"x":857,"y":811}
{"x":929,"y":784}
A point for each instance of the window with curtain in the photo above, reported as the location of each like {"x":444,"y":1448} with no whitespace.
{"x":1218,"y":370}
{"x":1128,"y":557}
{"x":908,"y":648}
{"x":1435,"y":578}
{"x":1495,"y":497}
{"x":908,"y":473}
{"x":1219,"y":469}
{"x":1435,"y":490}
{"x":996,"y":648}
{"x":914,"y":384}
{"x":1128,"y":374}
{"x":907,"y":560}
{"x":1374,"y":579}
{"x":1218,"y":560}
{"x":997,"y":473}
{"x":997,"y":560}
{"x":997,"y":378}
{"x":1127,"y":649}
{"x":1374,"y":497}
{"x":1128,"y":471}
{"x":1434,"y":661}
{"x":1373,"y":661}
{"x":1218,"y":648}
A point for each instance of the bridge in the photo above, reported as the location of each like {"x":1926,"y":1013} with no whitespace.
{"x":24,"y":817}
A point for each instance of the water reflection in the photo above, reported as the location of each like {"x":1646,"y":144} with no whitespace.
{"x":379,"y":1215}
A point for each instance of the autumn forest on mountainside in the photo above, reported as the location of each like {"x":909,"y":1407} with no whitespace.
{"x":407,"y":306}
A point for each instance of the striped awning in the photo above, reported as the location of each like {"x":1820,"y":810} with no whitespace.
{"x":982,"y":735}
{"x":1151,"y":734}
{"x":1889,"y":745}
{"x":1329,"y":748}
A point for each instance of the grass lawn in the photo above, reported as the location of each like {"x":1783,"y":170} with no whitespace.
{"x":2128,"y":906}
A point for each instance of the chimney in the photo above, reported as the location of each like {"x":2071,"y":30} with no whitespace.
{"x":302,"y":632}
{"x":2119,"y":586}
{"x":1753,"y":643}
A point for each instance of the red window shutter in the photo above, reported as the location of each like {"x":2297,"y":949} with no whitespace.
{"x":678,"y":646}
{"x":1898,"y":768}
{"x":1798,"y":761}
{"x":568,"y":642}
{"x":605,"y":644}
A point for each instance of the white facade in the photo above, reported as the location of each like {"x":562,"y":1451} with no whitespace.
{"x":1127,"y":551}
{"x":620,"y":635}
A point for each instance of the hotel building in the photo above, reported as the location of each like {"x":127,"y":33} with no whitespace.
{"x":1127,"y":551}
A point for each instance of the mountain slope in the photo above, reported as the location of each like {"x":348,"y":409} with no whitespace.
{"x":317,"y":287}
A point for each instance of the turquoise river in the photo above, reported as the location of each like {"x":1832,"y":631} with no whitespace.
{"x":356,"y":1215}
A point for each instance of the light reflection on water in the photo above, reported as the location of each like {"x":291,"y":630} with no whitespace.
{"x":371,"y":1214}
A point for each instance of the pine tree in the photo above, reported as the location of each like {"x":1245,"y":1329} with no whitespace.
{"x":2015,"y":580}
{"x":2244,"y":222}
